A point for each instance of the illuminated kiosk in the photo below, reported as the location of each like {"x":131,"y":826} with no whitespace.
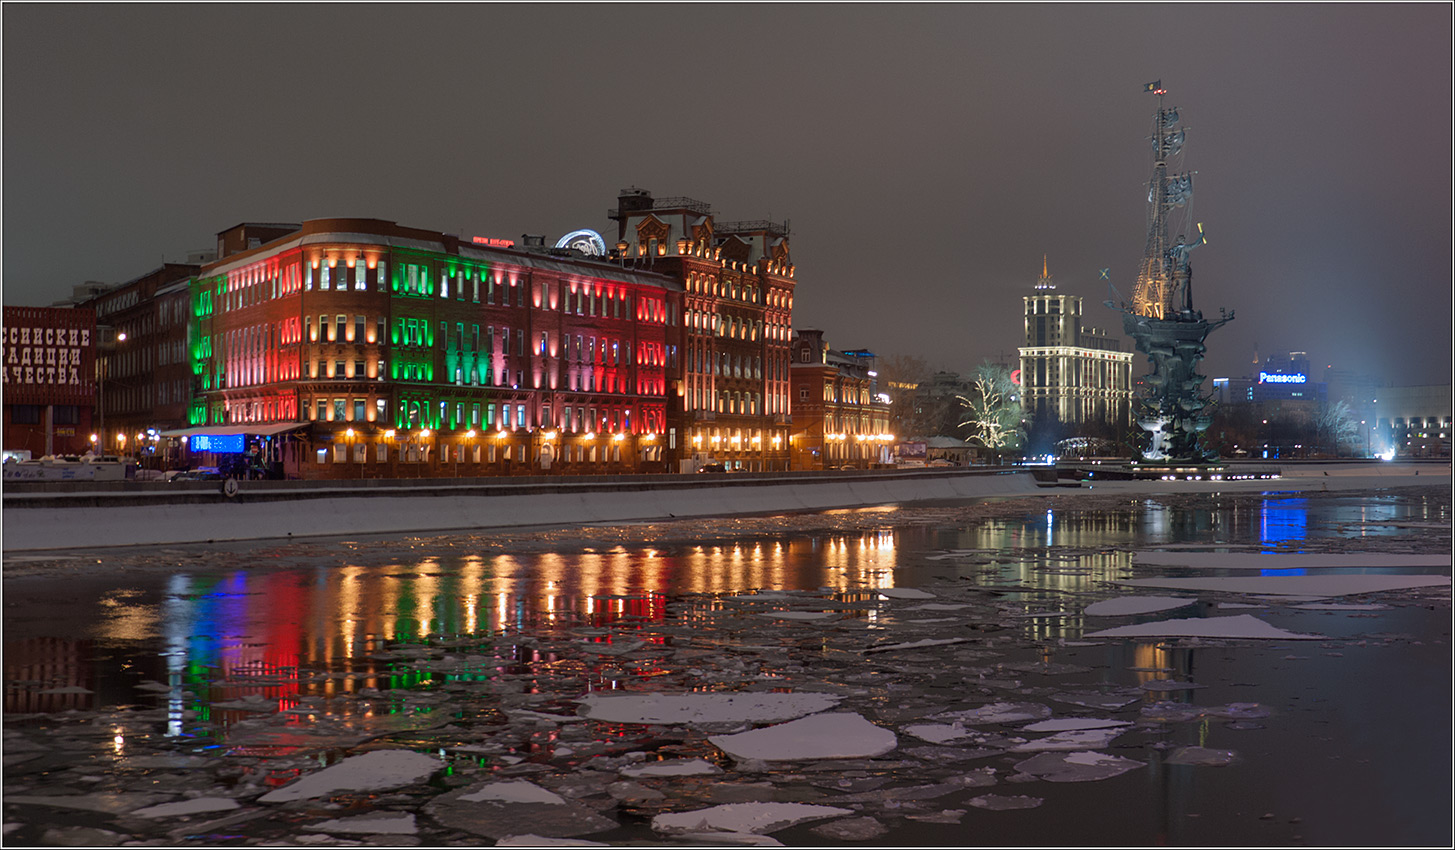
{"x":1161,"y":319}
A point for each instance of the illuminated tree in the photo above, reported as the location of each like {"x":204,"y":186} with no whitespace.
{"x":993,"y":410}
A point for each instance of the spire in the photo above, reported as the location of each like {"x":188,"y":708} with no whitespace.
{"x":1045,"y":281}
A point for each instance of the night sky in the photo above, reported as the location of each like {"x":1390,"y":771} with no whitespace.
{"x":926,"y":156}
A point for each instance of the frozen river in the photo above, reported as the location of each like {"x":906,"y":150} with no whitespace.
{"x":958,"y":683}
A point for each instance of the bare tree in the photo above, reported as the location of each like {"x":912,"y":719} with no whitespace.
{"x":899,"y":376}
{"x":993,"y":409}
{"x":1334,"y":426}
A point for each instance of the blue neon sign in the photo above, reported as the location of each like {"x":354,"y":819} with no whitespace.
{"x":1271,"y":378}
{"x":218,"y":443}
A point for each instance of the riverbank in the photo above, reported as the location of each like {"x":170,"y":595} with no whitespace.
{"x":91,"y":518}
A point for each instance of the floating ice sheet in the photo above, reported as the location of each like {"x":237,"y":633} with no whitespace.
{"x":1311,"y":586}
{"x":824,"y":736}
{"x":375,"y":771}
{"x":531,"y":840}
{"x":903,"y":593}
{"x":799,"y":615}
{"x":1257,"y":561}
{"x":918,"y":644}
{"x":1001,"y":802}
{"x":195,"y":806}
{"x":513,"y":791}
{"x":373,"y":823}
{"x":1127,"y":605}
{"x":671,"y":709}
{"x":744,"y":817}
{"x":998,"y":712}
{"x":673,"y":767}
{"x":1201,"y":756}
{"x":1072,"y":724}
{"x":1076,"y":767}
{"x":1076,"y":739}
{"x":1240,"y":626}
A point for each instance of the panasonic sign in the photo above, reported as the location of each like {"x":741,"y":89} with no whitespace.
{"x":1266,"y":378}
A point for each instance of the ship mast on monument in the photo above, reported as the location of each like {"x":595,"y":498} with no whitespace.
{"x":1160,"y":318}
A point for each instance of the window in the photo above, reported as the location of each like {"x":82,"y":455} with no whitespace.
{"x":379,"y":411}
{"x":323,"y":281}
{"x":358,"y":329}
{"x":339,"y":410}
{"x":322,"y":410}
{"x":358,"y":410}
{"x":338,"y":369}
{"x":25,"y":414}
{"x":543,"y":342}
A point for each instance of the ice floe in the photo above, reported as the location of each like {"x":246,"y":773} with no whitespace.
{"x":839,"y":735}
{"x":1072,"y":724}
{"x":373,"y":823}
{"x":1239,"y":626}
{"x":1300,"y":561}
{"x":708,"y":708}
{"x":1076,"y":767}
{"x":997,"y":712}
{"x":903,"y":593}
{"x":375,"y":771}
{"x":673,"y":767}
{"x":918,"y":644}
{"x":1077,"y":739}
{"x":1201,"y":756}
{"x":1001,"y":803}
{"x":1310,"y":586}
{"x":195,"y":806}
{"x":744,"y":817}
{"x":1127,"y":605}
{"x":513,"y":791}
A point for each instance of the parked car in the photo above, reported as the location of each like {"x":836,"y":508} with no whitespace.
{"x":201,"y":473}
{"x":712,"y":467}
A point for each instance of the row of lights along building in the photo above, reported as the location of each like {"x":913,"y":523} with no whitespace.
{"x":344,"y":348}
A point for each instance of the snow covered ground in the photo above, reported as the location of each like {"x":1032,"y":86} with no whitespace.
{"x":47,"y":528}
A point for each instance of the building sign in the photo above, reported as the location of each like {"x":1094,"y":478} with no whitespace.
{"x":490,"y":242}
{"x":49,"y":356}
{"x":1273,"y":378}
{"x":217,"y":443}
{"x":588,"y":242}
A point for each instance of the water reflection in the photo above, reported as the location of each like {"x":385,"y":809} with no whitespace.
{"x":200,"y":638}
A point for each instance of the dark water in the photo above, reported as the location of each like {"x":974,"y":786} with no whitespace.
{"x":1357,"y":752}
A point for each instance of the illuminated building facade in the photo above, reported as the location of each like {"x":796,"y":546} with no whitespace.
{"x":839,"y":421}
{"x":1074,"y":374}
{"x":729,"y":390}
{"x":352,"y":348}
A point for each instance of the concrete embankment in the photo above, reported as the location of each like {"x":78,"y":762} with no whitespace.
{"x":83,"y":517}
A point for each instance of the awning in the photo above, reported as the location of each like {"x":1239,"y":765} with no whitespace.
{"x":251,"y":430}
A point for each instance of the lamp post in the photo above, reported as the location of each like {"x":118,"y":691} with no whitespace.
{"x":102,"y":367}
{"x":1367,"y":446}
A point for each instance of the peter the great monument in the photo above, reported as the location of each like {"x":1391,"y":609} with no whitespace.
{"x":1161,"y":319}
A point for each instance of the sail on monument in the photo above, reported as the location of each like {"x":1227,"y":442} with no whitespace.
{"x":1160,"y":318}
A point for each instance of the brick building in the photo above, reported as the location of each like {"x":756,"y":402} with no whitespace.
{"x":839,"y":421}
{"x":49,"y":357}
{"x":730,"y":390}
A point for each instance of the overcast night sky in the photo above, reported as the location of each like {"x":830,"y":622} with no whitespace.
{"x":927,"y":156}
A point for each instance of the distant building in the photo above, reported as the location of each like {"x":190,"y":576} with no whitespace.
{"x":937,"y":410}
{"x":1412,"y":421}
{"x":838,"y":420}
{"x":1075,"y":374}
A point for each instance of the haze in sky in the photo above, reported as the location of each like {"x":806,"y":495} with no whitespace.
{"x":926,"y":156}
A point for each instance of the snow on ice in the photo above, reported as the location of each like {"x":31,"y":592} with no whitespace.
{"x":1237,"y":627}
{"x":744,"y":817}
{"x":839,"y":735}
